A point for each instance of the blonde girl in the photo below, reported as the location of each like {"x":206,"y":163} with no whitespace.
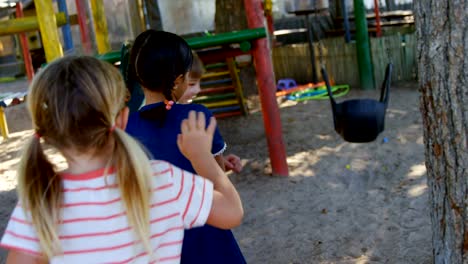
{"x":111,"y":204}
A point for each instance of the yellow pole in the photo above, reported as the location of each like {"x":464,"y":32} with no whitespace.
{"x":26,"y":24}
{"x":48,"y":27}
{"x":3,"y":124}
{"x":100,"y":26}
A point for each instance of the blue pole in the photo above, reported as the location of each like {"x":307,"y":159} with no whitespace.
{"x":66,"y":29}
{"x":345,"y":21}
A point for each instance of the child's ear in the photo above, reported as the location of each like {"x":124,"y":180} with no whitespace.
{"x":122,"y":118}
{"x":179,"y":80}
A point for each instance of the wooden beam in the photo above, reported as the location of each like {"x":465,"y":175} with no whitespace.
{"x":100,"y":26}
{"x":26,"y":24}
{"x":48,"y":28}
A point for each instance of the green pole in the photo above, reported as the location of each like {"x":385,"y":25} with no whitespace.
{"x":362,"y":46}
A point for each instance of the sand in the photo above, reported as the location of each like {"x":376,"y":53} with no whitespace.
{"x":343,"y":202}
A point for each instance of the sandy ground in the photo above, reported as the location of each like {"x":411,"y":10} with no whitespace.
{"x":343,"y":202}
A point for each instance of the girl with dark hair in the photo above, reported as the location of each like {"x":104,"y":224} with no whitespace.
{"x":161,"y":62}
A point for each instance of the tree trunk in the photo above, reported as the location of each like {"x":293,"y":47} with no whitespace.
{"x":230,"y":16}
{"x":442,"y":30}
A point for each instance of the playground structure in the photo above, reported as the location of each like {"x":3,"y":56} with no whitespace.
{"x":46,"y":22}
{"x":221,"y":90}
{"x":224,"y":48}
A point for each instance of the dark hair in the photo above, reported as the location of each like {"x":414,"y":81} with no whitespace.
{"x":157,"y":58}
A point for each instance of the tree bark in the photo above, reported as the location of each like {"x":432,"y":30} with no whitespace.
{"x":230,"y":15}
{"x":442,"y":30}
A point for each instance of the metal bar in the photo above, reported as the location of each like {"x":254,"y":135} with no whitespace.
{"x":346,"y":21}
{"x":84,"y":30}
{"x":26,"y":24}
{"x":227,"y":38}
{"x":362,"y":46}
{"x":377,"y":18}
{"x":28,"y":65}
{"x":48,"y":27}
{"x":100,"y":26}
{"x":3,"y":124}
{"x":310,"y":40}
{"x":66,"y":29}
{"x":267,"y":87}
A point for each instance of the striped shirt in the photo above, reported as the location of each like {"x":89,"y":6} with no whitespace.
{"x":94,"y":226}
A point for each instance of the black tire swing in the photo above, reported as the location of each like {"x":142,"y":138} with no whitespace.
{"x":360,"y":120}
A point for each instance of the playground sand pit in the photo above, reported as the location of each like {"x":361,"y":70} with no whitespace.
{"x":343,"y":202}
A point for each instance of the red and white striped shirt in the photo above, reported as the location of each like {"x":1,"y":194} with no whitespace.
{"x":94,"y":226}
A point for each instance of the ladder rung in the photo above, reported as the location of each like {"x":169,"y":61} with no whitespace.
{"x":221,"y":89}
{"x":221,"y":104}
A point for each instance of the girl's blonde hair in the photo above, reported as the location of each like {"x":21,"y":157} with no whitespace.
{"x":73,"y":103}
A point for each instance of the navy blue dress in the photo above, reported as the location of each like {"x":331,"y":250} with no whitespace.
{"x":206,"y":244}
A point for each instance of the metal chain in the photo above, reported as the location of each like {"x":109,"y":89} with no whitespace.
{"x":389,"y":52}
{"x":319,"y":42}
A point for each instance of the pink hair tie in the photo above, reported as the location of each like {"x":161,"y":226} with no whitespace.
{"x":37,"y":135}
{"x":112,"y":128}
{"x":168,"y":104}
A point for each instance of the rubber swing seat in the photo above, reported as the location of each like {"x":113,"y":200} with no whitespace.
{"x":360,"y":120}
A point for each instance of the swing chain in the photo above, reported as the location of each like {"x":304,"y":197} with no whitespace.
{"x":319,"y":42}
{"x":388,"y":50}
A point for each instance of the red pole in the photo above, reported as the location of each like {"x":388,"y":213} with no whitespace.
{"x":267,"y":89}
{"x":377,"y":18}
{"x":268,"y":7}
{"x":84,"y":30}
{"x":28,"y":65}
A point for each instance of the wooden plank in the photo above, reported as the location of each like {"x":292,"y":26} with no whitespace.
{"x":48,"y":27}
{"x":27,"y":24}
{"x":221,"y":104}
{"x":228,"y":114}
{"x":223,"y":89}
{"x":292,"y":61}
{"x":388,"y":14}
{"x":100,"y":26}
{"x":211,"y":98}
{"x":237,"y":85}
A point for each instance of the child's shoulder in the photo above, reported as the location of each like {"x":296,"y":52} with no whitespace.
{"x":162,"y":172}
{"x":194,"y":107}
{"x":160,"y":166}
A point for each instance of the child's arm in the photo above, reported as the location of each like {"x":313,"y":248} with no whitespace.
{"x":15,"y":257}
{"x":195,"y":143}
{"x":232,"y":162}
{"x":221,"y":162}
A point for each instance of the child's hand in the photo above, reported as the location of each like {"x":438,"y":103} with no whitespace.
{"x":232,"y":162}
{"x":195,"y":141}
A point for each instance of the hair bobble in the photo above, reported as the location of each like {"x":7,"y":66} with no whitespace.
{"x":168,"y":104}
{"x":112,"y":128}
{"x":37,"y":135}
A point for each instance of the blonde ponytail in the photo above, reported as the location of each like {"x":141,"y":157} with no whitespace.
{"x":40,"y":194}
{"x":74,"y":102}
{"x":133,"y":177}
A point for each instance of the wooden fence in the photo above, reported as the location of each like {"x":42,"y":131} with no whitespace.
{"x":339,"y":58}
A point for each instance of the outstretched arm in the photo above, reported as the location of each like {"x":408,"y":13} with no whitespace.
{"x":195,"y":143}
